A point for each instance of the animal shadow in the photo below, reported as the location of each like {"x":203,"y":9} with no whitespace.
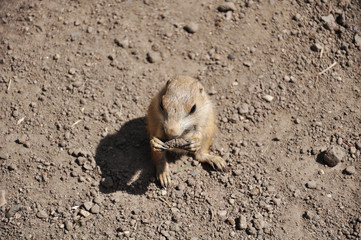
{"x":124,"y":159}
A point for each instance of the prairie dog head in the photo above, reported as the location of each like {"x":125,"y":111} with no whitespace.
{"x":183,"y":104}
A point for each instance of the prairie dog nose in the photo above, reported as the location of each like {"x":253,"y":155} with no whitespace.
{"x":172,"y":129}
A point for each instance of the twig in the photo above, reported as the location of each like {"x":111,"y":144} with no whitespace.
{"x":163,"y":200}
{"x":76,"y":123}
{"x":328,"y":68}
{"x":321,"y":53}
{"x":7,"y":90}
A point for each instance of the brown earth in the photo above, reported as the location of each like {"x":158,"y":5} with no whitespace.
{"x":76,"y":78}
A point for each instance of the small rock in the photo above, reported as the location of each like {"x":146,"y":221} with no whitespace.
{"x":123,"y":43}
{"x":350,"y":170}
{"x":98,"y":199}
{"x":231,"y":221}
{"x":42,"y":214}
{"x":107,"y":182}
{"x":247,"y":64}
{"x":89,"y":30}
{"x":2,"y":198}
{"x":88,"y":205}
{"x":268,"y":98}
{"x":243,"y":109}
{"x":68,"y":225}
{"x":241,"y":222}
{"x":191,"y":27}
{"x":13,"y":209}
{"x":358,"y":40}
{"x":297,"y":17}
{"x":311,"y":185}
{"x":56,"y":56}
{"x":72,"y":71}
{"x":316,"y":47}
{"x":258,"y":223}
{"x":308,"y":215}
{"x":95,"y":209}
{"x":227,"y":6}
{"x":84,"y":213}
{"x":353,"y":150}
{"x":222,"y":213}
{"x":154,"y":57}
{"x":329,"y":22}
{"x":333,"y":155}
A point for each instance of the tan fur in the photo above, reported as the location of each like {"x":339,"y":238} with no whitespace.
{"x":175,"y":120}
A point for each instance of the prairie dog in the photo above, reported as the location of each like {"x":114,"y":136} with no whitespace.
{"x":181,"y":110}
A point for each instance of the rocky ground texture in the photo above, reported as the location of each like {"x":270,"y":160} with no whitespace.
{"x":76,"y":78}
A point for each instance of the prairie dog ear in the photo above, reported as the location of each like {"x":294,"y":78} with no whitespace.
{"x":169,"y":81}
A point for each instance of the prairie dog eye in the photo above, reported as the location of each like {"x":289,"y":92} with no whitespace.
{"x":193,"y":109}
{"x":161,"y":105}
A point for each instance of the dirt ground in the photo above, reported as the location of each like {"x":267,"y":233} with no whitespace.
{"x":76,"y":79}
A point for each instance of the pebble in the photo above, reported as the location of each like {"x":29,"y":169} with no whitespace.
{"x":191,"y":27}
{"x":308,"y":215}
{"x":107,"y":182}
{"x":88,"y":205}
{"x":13,"y":209}
{"x":56,"y":56}
{"x":231,"y":221}
{"x":268,"y":98}
{"x":316,"y":47}
{"x":222,"y":213}
{"x":89,"y":30}
{"x":68,"y":225}
{"x":330,"y":22}
{"x":311,"y":185}
{"x":333,"y":155}
{"x":84,"y":213}
{"x":2,"y":198}
{"x":154,"y":57}
{"x":95,"y":209}
{"x":353,"y":150}
{"x":227,"y":6}
{"x":350,"y":170}
{"x":42,"y":214}
{"x":72,"y":71}
{"x":358,"y":40}
{"x":242,"y":222}
{"x":258,"y":223}
{"x":243,"y":109}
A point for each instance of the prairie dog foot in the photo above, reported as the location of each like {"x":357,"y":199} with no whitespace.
{"x":157,"y":145}
{"x":211,"y":160}
{"x":163,"y":174}
{"x":194,"y":143}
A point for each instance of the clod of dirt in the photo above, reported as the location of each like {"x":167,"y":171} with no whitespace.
{"x":191,"y":27}
{"x":333,"y":155}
